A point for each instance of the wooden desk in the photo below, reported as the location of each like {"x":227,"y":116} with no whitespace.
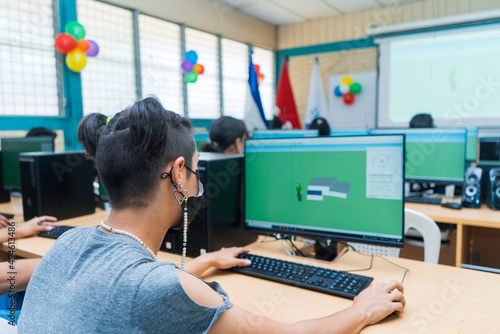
{"x":440,"y":299}
{"x":464,"y":219}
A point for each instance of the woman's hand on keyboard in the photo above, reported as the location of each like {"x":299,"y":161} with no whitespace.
{"x":227,"y":258}
{"x":222,"y":259}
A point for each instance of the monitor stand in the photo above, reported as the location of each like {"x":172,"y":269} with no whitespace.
{"x":325,"y":250}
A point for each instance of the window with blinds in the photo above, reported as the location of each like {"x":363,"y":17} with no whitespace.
{"x":203,"y":96}
{"x":29,"y":81}
{"x":161,"y":57}
{"x":234,"y":77}
{"x":108,"y":80}
{"x":265,"y":59}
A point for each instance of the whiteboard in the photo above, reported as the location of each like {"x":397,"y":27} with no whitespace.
{"x":360,"y":114}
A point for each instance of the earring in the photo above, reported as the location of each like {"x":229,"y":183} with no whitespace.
{"x":184,"y":235}
{"x":164,"y":175}
{"x":182,"y":192}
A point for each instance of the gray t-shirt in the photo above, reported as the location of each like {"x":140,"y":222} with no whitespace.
{"x":96,"y":282}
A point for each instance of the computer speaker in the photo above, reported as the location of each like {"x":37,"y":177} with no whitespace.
{"x":471,"y":193}
{"x":493,"y":183}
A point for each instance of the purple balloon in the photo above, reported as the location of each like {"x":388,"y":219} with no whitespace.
{"x":187,"y":66}
{"x":93,"y":50}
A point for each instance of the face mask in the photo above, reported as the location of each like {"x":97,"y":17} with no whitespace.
{"x":194,"y":203}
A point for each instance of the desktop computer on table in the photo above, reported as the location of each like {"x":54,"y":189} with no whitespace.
{"x":326,"y":188}
{"x":272,"y":134}
{"x":434,"y":157}
{"x":219,"y":222}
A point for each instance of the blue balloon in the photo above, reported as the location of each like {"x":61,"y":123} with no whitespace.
{"x":192,"y":57}
{"x":337,"y":92}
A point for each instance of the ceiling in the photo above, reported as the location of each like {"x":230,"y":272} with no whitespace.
{"x":280,"y":12}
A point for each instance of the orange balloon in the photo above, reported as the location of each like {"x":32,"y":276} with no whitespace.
{"x":198,"y":69}
{"x":83,"y":45}
{"x":260,"y":77}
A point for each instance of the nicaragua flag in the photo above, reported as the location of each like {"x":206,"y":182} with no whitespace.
{"x":254,"y":113}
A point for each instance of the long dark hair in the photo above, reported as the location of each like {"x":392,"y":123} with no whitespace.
{"x":224,"y":132}
{"x":131,"y":150}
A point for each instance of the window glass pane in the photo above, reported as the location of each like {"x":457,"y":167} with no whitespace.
{"x":28,"y":75}
{"x":203,"y":95}
{"x":160,"y":45}
{"x":265,"y":59}
{"x":235,"y":77}
{"x":108,"y":80}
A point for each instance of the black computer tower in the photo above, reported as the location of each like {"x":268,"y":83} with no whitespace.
{"x":57,"y":184}
{"x":4,"y":195}
{"x":219,"y":223}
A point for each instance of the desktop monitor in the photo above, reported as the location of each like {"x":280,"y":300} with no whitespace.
{"x":337,"y":188}
{"x":349,"y":132}
{"x":435,"y":155}
{"x":11,"y":147}
{"x":271,"y":134}
{"x":472,"y":144}
{"x":489,"y":147}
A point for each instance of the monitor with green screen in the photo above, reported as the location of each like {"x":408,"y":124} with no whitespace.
{"x":471,"y":149}
{"x":271,"y":134}
{"x":339,"y":188}
{"x":434,"y":154}
{"x":11,"y":147}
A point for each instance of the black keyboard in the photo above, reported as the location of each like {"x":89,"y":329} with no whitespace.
{"x":424,"y":200}
{"x":338,"y":283}
{"x":56,"y":232}
{"x":7,"y":215}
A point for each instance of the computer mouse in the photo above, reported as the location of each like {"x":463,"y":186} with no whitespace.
{"x":452,"y":205}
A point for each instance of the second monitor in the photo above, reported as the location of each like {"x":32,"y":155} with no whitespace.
{"x":11,"y":148}
{"x":433,"y":155}
{"x":338,"y":188}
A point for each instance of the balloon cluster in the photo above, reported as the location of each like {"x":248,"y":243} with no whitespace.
{"x":347,"y":90}
{"x":72,"y":44}
{"x":190,"y":68}
{"x":260,"y":76}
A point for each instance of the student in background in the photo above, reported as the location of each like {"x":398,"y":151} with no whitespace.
{"x":322,"y":125}
{"x":41,"y":132}
{"x":227,"y":135}
{"x":108,"y":275}
{"x":422,"y":121}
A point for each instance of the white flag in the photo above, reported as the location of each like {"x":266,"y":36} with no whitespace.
{"x":316,"y":103}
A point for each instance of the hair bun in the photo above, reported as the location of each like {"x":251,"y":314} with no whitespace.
{"x":89,"y":131}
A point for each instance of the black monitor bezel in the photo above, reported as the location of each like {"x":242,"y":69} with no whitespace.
{"x":335,"y":236}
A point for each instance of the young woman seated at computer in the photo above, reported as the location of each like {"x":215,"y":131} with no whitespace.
{"x":227,"y":135}
{"x":107,"y":278}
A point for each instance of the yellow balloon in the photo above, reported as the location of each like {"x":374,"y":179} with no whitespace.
{"x":76,"y":60}
{"x":347,"y":81}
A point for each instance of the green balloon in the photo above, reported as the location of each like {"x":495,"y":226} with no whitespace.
{"x":191,"y":77}
{"x":355,"y":88}
{"x":75,"y":29}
